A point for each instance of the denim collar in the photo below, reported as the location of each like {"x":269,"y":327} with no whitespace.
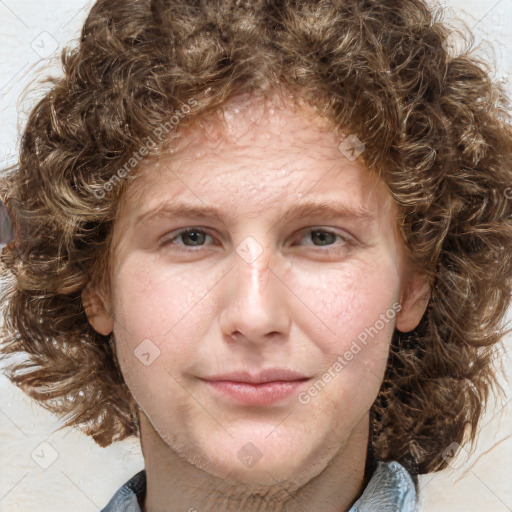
{"x":390,"y":489}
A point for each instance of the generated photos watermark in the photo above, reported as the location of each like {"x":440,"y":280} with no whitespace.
{"x":342,"y":360}
{"x":159,"y":133}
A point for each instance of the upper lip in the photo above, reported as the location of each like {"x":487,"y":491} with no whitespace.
{"x":267,"y":375}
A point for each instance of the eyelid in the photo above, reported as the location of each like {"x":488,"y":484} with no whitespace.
{"x":347,"y":238}
{"x":333,"y":231}
{"x":172,"y":235}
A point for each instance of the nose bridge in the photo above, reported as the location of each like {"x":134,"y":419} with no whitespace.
{"x":252,"y":290}
{"x":252,"y":271}
{"x":256,"y":303}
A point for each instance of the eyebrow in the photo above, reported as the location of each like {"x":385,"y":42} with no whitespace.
{"x":327,"y":210}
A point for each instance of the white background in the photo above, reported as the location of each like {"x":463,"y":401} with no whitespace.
{"x":80,"y":476}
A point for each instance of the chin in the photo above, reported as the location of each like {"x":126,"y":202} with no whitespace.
{"x":256,"y":460}
{"x":263,"y":474}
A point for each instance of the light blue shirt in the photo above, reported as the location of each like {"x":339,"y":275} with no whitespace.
{"x":390,"y":489}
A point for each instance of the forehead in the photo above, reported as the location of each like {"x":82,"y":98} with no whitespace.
{"x":253,"y":167}
{"x":255,"y":149}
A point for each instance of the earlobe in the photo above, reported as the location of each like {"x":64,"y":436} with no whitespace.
{"x":97,"y":311}
{"x":414,"y":302}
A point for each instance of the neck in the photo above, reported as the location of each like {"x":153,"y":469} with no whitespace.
{"x":175,"y":484}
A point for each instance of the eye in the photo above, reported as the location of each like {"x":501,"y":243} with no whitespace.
{"x":326,"y":238}
{"x":196,"y":237}
{"x":192,"y":237}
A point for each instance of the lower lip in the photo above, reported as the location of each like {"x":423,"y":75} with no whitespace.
{"x":256,"y":394}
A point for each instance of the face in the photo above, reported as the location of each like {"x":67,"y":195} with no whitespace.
{"x":257,"y":244}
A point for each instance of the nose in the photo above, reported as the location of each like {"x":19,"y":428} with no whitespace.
{"x":254,"y":309}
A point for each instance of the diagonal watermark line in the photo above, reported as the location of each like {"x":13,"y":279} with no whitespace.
{"x":494,"y":415}
{"x":483,"y":454}
{"x":13,"y":423}
{"x":99,"y":508}
{"x":120,"y":323}
{"x":199,"y":403}
{"x":311,"y":188}
{"x":200,"y":299}
{"x":507,"y":507}
{"x":87,"y":5}
{"x":73,"y":427}
{"x":14,"y":76}
{"x":2,"y":2}
{"x":176,"y":175}
{"x":377,"y":377}
{"x":221,"y":482}
{"x":12,"y":488}
{"x":326,"y":326}
{"x":285,"y":490}
{"x":485,"y":15}
{"x":479,"y":429}
{"x":69,"y":429}
{"x":280,"y":423}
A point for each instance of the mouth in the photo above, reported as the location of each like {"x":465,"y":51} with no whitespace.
{"x":260,"y":389}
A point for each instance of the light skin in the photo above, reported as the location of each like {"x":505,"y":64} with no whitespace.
{"x":298,"y":301}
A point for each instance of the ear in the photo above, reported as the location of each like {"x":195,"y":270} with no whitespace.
{"x":414,"y":300}
{"x":97,"y":309}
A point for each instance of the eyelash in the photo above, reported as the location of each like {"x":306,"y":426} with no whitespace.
{"x":347,"y":241}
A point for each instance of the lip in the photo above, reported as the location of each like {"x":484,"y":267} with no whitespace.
{"x":266,"y":375}
{"x":263,"y":388}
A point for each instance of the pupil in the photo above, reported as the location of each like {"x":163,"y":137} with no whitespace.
{"x":320,"y":235}
{"x":193,"y":235}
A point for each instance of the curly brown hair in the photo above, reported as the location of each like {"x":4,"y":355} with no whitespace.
{"x":436,"y":127}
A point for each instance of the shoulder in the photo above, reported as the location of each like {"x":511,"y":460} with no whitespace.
{"x":129,"y":495}
{"x":391,"y":488}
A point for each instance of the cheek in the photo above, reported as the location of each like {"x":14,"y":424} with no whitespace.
{"x":155,"y":301}
{"x":350,"y":322}
{"x":157,"y":320}
{"x":350,"y":308}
